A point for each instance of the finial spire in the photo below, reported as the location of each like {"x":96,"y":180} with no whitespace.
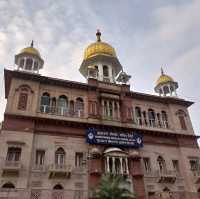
{"x":162,"y":72}
{"x":32,"y":43}
{"x":98,"y":34}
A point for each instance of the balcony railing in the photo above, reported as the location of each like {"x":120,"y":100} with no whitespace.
{"x":59,"y":170}
{"x":11,"y":166}
{"x":152,"y":123}
{"x":42,"y":194}
{"x":39,"y":167}
{"x":61,"y":111}
{"x":165,"y":176}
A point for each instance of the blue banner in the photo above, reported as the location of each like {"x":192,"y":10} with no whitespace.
{"x":132,"y":140}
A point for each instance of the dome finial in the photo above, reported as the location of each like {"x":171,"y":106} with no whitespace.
{"x":162,"y":72}
{"x":32,"y":43}
{"x":98,"y":34}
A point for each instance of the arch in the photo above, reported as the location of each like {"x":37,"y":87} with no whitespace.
{"x":29,"y":63}
{"x":58,"y":187}
{"x":164,"y":119}
{"x":79,"y":106}
{"x":181,"y":116}
{"x":8,"y":185}
{"x":62,"y":105}
{"x":45,"y":103}
{"x":60,"y":156}
{"x":151,"y":115}
{"x":161,"y":164}
{"x":138,"y":115}
{"x":105,"y":71}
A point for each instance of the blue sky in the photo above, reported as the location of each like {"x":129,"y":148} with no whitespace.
{"x":146,"y":34}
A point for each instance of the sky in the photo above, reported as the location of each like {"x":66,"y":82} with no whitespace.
{"x":146,"y":34}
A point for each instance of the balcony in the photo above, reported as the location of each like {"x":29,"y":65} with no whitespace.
{"x":167,"y":176}
{"x":60,"y":171}
{"x":39,"y":168}
{"x":11,"y":167}
{"x":42,"y":194}
{"x":151,"y":123}
{"x":61,"y":111}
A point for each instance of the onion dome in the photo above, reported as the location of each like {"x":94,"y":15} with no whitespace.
{"x":98,"y":54}
{"x":29,"y":59}
{"x":99,"y":48}
{"x":166,"y":85}
{"x":164,"y":78}
{"x":30,"y":50}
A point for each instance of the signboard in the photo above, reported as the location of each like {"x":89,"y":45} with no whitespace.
{"x":132,"y":140}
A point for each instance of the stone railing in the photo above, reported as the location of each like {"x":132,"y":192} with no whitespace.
{"x":9,"y":165}
{"x":61,"y":111}
{"x":151,"y":123}
{"x":42,"y":194}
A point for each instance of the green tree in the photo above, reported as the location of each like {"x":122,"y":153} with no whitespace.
{"x":113,"y":187}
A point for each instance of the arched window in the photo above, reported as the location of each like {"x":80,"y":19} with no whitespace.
{"x":45,"y":103}
{"x":79,"y":107}
{"x":21,"y":63}
{"x":58,"y":192}
{"x":62,"y":105}
{"x":60,"y":156}
{"x":29,"y":63}
{"x":116,"y":110}
{"x":182,"y":116}
{"x":161,"y":164}
{"x":151,"y":115}
{"x":8,"y":185}
{"x":165,"y":119}
{"x":138,"y":115}
{"x":58,"y":187}
{"x":105,"y":71}
{"x":23,"y":98}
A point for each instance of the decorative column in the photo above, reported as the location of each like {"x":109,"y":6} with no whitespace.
{"x":118,"y":111}
{"x":127,"y":171}
{"x":108,"y":165}
{"x":113,"y":111}
{"x":137,"y":174}
{"x":121,"y":165}
{"x":102,"y":105}
{"x":113,"y":164}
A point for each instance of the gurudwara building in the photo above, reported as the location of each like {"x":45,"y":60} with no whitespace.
{"x":59,"y":137}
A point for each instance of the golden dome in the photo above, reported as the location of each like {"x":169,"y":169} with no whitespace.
{"x":164,"y":79}
{"x":99,"y":48}
{"x":30,"y":50}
